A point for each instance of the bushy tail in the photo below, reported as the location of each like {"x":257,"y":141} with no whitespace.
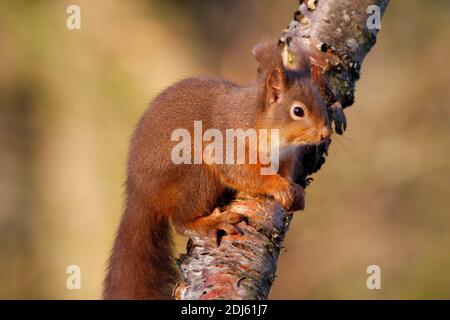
{"x":141,"y":265}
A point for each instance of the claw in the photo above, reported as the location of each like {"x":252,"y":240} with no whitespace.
{"x":337,"y":116}
{"x":299,"y":198}
{"x":229,"y":229}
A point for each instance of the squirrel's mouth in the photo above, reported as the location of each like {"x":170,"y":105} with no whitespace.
{"x":312,"y":137}
{"x":311,"y":142}
{"x":306,"y":140}
{"x":301,"y":142}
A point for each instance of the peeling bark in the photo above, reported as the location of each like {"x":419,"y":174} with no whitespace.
{"x":243,"y":267}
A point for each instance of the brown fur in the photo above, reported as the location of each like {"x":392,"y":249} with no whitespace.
{"x":158,"y":191}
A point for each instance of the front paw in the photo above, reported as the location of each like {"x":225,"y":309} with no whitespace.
{"x":284,"y":195}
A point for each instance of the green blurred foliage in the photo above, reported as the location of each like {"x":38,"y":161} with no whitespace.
{"x":70,"y":100}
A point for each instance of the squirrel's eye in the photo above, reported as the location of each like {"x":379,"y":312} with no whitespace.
{"x":297,"y":112}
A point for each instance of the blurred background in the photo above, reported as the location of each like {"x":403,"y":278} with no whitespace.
{"x":69,"y":100}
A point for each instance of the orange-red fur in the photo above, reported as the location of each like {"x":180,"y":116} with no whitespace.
{"x":158,"y":191}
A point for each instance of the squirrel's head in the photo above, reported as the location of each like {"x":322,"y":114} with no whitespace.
{"x":289,"y":97}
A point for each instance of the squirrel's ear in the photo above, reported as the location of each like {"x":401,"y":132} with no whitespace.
{"x":275,"y":85}
{"x":271,"y":70}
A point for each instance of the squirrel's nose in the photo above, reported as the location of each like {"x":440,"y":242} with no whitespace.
{"x":325,"y":133}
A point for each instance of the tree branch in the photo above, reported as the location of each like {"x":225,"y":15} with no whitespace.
{"x":336,"y":36}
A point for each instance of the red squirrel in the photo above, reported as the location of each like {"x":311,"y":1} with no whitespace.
{"x":159,"y":192}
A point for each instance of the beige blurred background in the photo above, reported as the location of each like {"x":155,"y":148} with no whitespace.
{"x":70,"y":100}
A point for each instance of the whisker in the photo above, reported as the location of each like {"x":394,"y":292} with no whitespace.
{"x":344,"y":147}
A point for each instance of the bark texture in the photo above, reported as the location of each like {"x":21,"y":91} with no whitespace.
{"x":239,"y":267}
{"x":336,"y":37}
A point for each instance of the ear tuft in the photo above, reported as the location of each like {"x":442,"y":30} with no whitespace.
{"x":271,"y":71}
{"x":267,"y":53}
{"x":260,"y":51}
